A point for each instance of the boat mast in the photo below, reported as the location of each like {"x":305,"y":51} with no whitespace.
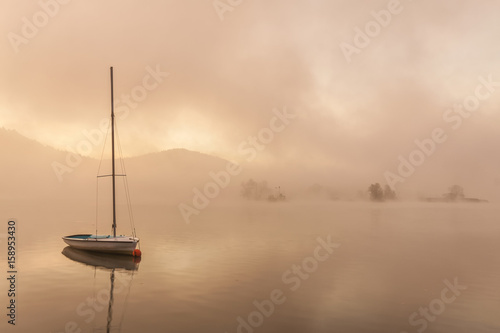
{"x":113,"y":151}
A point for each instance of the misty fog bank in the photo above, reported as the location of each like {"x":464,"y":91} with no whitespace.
{"x":32,"y":171}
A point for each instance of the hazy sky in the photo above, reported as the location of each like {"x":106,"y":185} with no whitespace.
{"x":221,"y":71}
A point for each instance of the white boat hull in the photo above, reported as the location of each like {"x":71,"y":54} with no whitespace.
{"x":107,"y":244}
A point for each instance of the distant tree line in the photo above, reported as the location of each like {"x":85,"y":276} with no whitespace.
{"x":377,"y":193}
{"x":456,"y":193}
{"x":253,"y":190}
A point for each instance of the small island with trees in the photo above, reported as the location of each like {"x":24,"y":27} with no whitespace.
{"x":253,"y":190}
{"x":261,"y":191}
{"x":455,"y":194}
{"x":378,"y":194}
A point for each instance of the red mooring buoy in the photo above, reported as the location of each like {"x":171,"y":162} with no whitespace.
{"x":137,"y":253}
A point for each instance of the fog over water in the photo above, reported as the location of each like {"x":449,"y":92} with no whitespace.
{"x":387,"y":262}
{"x":218,"y":81}
{"x":249,"y":129}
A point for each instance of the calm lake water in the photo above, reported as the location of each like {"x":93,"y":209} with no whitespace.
{"x":284,"y":267}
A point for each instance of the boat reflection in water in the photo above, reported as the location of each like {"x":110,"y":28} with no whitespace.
{"x":108,"y":262}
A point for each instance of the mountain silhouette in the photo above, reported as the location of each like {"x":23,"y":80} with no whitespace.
{"x":32,"y":171}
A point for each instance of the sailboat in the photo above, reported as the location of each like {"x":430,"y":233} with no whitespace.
{"x":107,"y":243}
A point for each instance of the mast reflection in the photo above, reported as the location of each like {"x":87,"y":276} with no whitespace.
{"x":108,"y":262}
